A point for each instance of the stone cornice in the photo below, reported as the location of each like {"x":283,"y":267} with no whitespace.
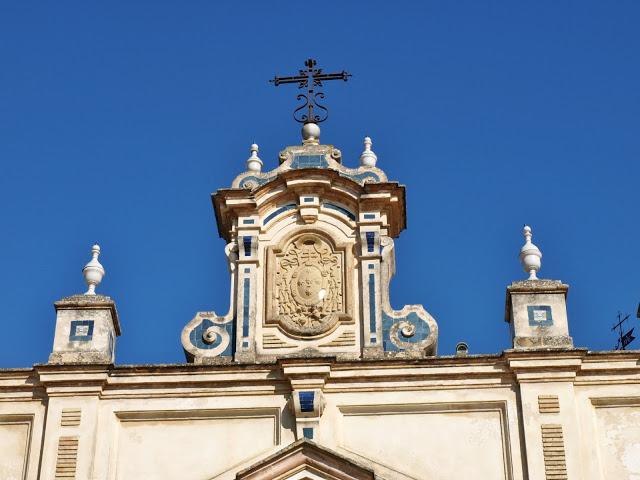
{"x":332,"y":375}
{"x":387,"y":196}
{"x":90,"y":302}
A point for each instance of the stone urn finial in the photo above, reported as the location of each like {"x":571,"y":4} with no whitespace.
{"x":93,"y":271}
{"x":254,"y":163}
{"x":368,"y":158}
{"x":530,"y":255}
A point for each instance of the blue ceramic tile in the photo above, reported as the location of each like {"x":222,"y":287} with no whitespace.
{"x":309,"y":161}
{"x":196,"y":336}
{"x":246,"y":181}
{"x":370,"y":241}
{"x":421,"y":330}
{"x":277,"y":212}
{"x":540,"y":316}
{"x":246,"y":287}
{"x":81,"y":330}
{"x":372,"y":302}
{"x":246,"y":241}
{"x":359,"y":177}
{"x":338,"y":208}
{"x":306,"y":401}
{"x":307,"y":432}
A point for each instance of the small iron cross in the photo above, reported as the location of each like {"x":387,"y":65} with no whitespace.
{"x":310,"y":78}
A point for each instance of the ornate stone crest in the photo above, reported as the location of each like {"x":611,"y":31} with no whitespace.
{"x":309,"y":291}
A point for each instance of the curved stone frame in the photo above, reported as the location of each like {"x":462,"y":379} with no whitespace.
{"x":209,"y":337}
{"x":343,"y":247}
{"x":404,"y":324}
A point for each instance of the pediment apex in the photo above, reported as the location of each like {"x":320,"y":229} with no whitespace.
{"x":306,"y":459}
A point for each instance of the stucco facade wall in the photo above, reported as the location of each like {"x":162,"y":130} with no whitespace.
{"x":518,"y":415}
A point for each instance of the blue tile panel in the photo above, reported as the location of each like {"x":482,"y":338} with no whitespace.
{"x":306,"y":401}
{"x":361,"y":177}
{"x":308,"y":199}
{"x":421,"y":331}
{"x":246,"y":288}
{"x":250,"y":221}
{"x":369,"y":216}
{"x":196,"y":336}
{"x":372,"y":302}
{"x":370,"y":241}
{"x":246,"y":241}
{"x":338,"y":208}
{"x":307,"y":432}
{"x":371,"y":266}
{"x":309,"y":161}
{"x":244,"y":183}
{"x":277,"y":212}
{"x":540,"y":315}
{"x":81,"y":330}
{"x":247,"y":270}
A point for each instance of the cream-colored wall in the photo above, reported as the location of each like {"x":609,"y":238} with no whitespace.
{"x":22,"y":414}
{"x":435,"y":419}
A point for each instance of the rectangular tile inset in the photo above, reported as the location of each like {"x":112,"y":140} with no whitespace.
{"x":540,"y":315}
{"x":555,"y":465}
{"x":67,"y":458}
{"x":70,"y":417}
{"x":306,"y":401}
{"x":548,"y":404}
{"x":81,"y":331}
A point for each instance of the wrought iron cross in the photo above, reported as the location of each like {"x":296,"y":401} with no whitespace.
{"x":310,"y":78}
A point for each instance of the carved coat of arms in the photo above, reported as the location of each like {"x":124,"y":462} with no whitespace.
{"x":308,"y":287}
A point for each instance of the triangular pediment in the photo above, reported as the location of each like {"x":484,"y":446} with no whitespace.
{"x":306,"y":460}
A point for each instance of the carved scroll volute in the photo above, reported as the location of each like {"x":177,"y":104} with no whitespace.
{"x":308,"y":287}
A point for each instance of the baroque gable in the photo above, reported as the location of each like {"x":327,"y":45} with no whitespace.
{"x":311,"y":254}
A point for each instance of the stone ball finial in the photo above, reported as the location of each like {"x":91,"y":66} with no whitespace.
{"x":530,"y":255}
{"x":93,"y":271}
{"x":254,"y":164}
{"x":368,"y":158}
{"x":310,"y":134}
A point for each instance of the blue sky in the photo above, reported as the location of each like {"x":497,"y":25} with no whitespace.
{"x":118,"y":119}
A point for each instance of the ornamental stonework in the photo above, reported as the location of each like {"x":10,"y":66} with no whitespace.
{"x":308,"y":287}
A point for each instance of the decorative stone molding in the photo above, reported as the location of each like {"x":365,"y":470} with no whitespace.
{"x":311,"y":156}
{"x":555,"y":464}
{"x":70,"y":417}
{"x":305,"y":459}
{"x":548,"y":404}
{"x":67,"y":458}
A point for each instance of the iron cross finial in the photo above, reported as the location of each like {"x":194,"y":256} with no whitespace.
{"x":310,"y":78}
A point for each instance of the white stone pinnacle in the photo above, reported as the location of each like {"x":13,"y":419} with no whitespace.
{"x":530,"y":255}
{"x":254,"y":164}
{"x":93,"y":271}
{"x":368,"y":158}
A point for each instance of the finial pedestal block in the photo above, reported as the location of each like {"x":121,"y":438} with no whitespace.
{"x":537,"y":313}
{"x":86,"y":329}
